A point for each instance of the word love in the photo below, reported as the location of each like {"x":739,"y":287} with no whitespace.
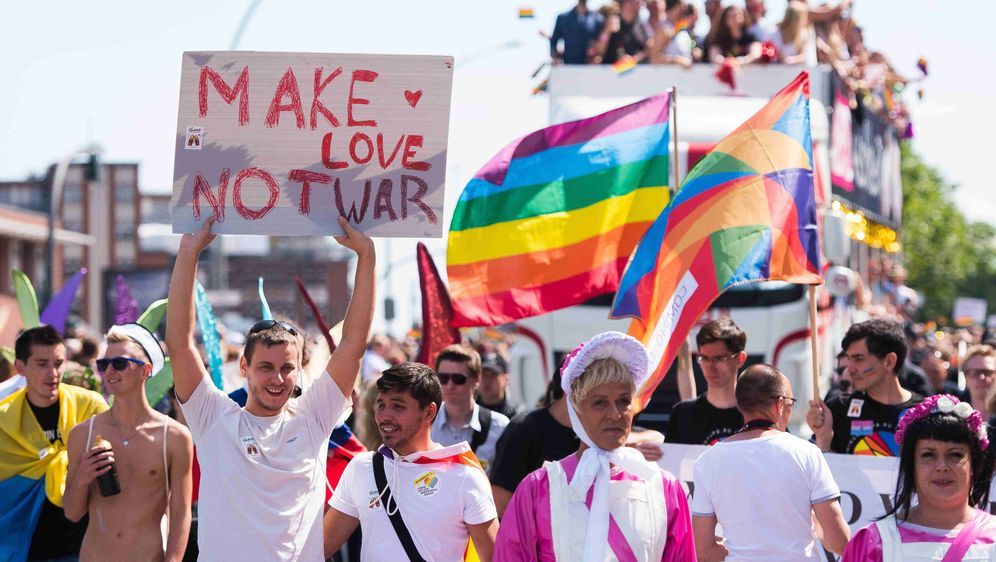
{"x":390,"y":198}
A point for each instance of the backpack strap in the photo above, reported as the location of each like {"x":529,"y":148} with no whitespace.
{"x":479,"y":437}
{"x":392,"y":510}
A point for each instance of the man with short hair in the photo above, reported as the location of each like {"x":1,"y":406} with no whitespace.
{"x":864,"y":422}
{"x":35,"y":422}
{"x":493,"y":391}
{"x":578,"y":29}
{"x":151,"y":454}
{"x":460,"y":417}
{"x":764,"y":485}
{"x":374,"y":358}
{"x":413,"y":497}
{"x":713,"y":415}
{"x":262,"y":481}
{"x":979,"y":367}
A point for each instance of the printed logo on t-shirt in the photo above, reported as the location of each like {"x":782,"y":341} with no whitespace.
{"x":427,"y":484}
{"x":861,"y":427}
{"x":250,"y":446}
{"x":374,"y":501}
{"x":854,"y":411}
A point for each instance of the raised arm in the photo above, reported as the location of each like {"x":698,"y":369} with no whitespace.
{"x":344,"y":365}
{"x":188,"y":368}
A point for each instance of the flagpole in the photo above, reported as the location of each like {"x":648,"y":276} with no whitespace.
{"x":813,"y":342}
{"x":686,"y":374}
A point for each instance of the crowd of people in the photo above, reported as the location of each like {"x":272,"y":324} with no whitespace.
{"x":667,"y":32}
{"x":444,"y":465}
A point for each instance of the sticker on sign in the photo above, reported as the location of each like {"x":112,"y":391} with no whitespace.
{"x":282,"y":144}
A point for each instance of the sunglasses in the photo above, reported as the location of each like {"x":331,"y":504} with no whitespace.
{"x":118,"y":363}
{"x":267,"y":324}
{"x":457,"y":378}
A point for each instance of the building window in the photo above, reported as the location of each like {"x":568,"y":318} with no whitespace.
{"x":124,"y":192}
{"x":124,"y":229}
{"x":72,"y":193}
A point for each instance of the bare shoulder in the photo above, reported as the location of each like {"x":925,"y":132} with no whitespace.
{"x":176,"y":431}
{"x":79,"y":431}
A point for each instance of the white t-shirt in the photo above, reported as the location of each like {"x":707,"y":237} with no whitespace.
{"x":262,"y":478}
{"x":437,"y":501}
{"x":762,"y":491}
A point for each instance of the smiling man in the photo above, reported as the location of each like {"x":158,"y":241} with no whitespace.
{"x":864,"y":422}
{"x":263,"y":466}
{"x":712,"y":416}
{"x":414,"y":499}
{"x":151,"y":454}
{"x":34,"y":427}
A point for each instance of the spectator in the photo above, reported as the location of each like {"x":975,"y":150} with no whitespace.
{"x":732,"y":39}
{"x":794,"y":40}
{"x":712,"y":416}
{"x":781,"y":484}
{"x":35,"y":423}
{"x":624,"y":35}
{"x":713,"y":11}
{"x":366,"y":423}
{"x":936,"y":363}
{"x":864,"y":422}
{"x":578,"y":29}
{"x":759,"y":27}
{"x":460,"y":418}
{"x":672,"y":43}
{"x":841,"y":383}
{"x":979,"y":367}
{"x":493,"y":392}
{"x":375,"y":358}
{"x":540,"y":435}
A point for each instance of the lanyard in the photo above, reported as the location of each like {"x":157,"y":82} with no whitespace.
{"x":756,"y":424}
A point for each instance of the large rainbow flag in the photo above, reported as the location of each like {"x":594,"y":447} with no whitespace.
{"x":550,"y":221}
{"x":745,"y":213}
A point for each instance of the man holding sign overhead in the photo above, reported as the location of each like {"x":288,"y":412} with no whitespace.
{"x":262,"y":466}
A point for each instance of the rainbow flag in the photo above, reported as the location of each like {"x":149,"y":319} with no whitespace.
{"x":526,"y":13}
{"x":745,"y":213}
{"x":550,"y":221}
{"x":624,"y":64}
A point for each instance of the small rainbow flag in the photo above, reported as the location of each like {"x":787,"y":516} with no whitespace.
{"x":624,"y":64}
{"x":745,"y":213}
{"x":550,"y":221}
{"x":526,"y":13}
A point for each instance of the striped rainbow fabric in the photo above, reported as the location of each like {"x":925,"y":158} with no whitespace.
{"x":550,"y":221}
{"x":745,"y":213}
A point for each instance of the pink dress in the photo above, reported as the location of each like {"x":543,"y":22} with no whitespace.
{"x":526,"y":533}
{"x":918,"y":543}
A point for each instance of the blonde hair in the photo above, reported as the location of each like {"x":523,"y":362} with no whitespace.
{"x":601,"y":371}
{"x":366,"y":424}
{"x":132,"y":345}
{"x":791,"y":26}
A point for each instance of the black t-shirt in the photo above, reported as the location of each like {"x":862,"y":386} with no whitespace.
{"x":48,"y":419}
{"x":631,"y":39}
{"x":54,"y":535}
{"x":863,"y":426}
{"x":697,"y":422}
{"x":530,"y":438}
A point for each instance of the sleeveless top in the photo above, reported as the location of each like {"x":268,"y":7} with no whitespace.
{"x":894,"y":550}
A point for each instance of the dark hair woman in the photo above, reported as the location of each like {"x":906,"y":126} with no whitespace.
{"x":946,"y":462}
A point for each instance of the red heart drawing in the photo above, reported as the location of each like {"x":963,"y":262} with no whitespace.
{"x":413,"y":97}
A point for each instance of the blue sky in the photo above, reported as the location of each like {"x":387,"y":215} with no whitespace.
{"x":109,"y":72}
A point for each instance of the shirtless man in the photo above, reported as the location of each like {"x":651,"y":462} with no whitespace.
{"x":152,"y":453}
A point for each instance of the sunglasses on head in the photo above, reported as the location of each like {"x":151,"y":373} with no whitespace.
{"x":457,"y":378}
{"x":119,"y":363}
{"x":267,"y":324}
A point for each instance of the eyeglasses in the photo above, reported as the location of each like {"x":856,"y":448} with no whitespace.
{"x":706,"y":360}
{"x":457,"y":378}
{"x":788,"y":399}
{"x":985,"y":374}
{"x":267,"y":324}
{"x":119,"y":363}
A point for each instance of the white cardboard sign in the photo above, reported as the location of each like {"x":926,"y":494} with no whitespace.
{"x":284,"y":143}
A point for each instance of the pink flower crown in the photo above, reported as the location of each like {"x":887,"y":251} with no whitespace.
{"x":945,"y":404}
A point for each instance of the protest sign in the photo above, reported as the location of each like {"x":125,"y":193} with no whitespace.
{"x":867,"y":483}
{"x":969,"y":311}
{"x":284,"y":143}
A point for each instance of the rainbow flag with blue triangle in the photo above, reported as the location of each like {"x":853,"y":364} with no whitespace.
{"x":745,"y":213}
